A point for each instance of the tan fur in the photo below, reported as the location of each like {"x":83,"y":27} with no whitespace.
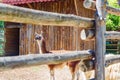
{"x":42,"y":50}
{"x":73,"y":66}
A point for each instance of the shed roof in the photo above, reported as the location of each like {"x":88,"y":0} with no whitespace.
{"x":23,"y":1}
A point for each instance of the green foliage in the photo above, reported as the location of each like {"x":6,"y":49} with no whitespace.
{"x":1,"y":24}
{"x":113,"y":21}
{"x":1,"y":38}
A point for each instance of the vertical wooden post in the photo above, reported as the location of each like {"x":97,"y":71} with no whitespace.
{"x":76,"y":29}
{"x":100,"y":39}
{"x":29,"y":37}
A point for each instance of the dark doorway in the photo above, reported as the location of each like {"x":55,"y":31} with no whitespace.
{"x":12,"y":41}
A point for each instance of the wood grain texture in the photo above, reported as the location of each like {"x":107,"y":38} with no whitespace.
{"x":7,"y":63}
{"x":100,"y":40}
{"x":100,"y":51}
{"x":109,"y":9}
{"x":57,"y":37}
{"x":112,"y":35}
{"x":25,"y":15}
{"x":39,"y":59}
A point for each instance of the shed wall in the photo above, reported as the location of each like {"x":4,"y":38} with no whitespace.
{"x":57,"y":38}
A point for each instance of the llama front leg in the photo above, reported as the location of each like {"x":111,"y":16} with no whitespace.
{"x":77,"y":75}
{"x":73,"y":76}
{"x":79,"y":70}
{"x":81,"y":75}
{"x":52,"y":76}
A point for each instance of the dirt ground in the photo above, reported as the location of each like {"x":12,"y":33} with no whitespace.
{"x":42,"y":73}
{"x":35,"y":73}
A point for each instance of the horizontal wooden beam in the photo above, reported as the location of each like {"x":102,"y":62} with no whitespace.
{"x":112,"y":35}
{"x":109,"y":60}
{"x":115,"y":11}
{"x":87,"y":34}
{"x":112,"y":60}
{"x":13,"y":25}
{"x":24,"y":15}
{"x":40,"y":59}
{"x":91,"y":4}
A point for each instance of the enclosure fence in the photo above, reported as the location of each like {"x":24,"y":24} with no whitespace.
{"x":24,"y":15}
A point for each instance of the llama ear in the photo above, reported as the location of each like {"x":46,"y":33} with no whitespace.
{"x":36,"y":33}
{"x":42,"y":32}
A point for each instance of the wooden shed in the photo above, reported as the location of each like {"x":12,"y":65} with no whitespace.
{"x":19,"y":38}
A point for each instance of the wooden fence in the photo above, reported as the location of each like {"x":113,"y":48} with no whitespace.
{"x":39,"y":59}
{"x":23,"y":15}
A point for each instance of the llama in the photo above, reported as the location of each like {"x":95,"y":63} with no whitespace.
{"x":42,"y":49}
{"x":73,"y":66}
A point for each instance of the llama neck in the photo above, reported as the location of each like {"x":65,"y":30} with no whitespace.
{"x":42,"y":46}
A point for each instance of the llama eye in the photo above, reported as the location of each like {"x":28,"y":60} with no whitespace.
{"x":38,"y":37}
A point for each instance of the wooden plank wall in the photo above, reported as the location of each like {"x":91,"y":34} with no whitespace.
{"x":57,"y":38}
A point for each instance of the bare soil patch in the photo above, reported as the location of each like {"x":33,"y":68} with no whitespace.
{"x":35,"y":73}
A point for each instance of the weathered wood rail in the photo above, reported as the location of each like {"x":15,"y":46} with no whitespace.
{"x":112,"y":35}
{"x":112,"y":60}
{"x":24,"y":15}
{"x":109,"y":60}
{"x":87,"y":34}
{"x":115,"y":11}
{"x":38,"y":59}
{"x":41,"y":59}
{"x":91,"y":4}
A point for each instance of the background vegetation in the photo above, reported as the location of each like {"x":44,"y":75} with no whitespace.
{"x":113,"y":21}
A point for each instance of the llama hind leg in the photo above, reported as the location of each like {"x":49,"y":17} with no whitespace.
{"x":52,"y":76}
{"x":81,"y":75}
{"x":73,"y":76}
{"x":79,"y":70}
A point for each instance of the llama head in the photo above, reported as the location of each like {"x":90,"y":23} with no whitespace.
{"x":39,"y":36}
{"x":40,"y":42}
